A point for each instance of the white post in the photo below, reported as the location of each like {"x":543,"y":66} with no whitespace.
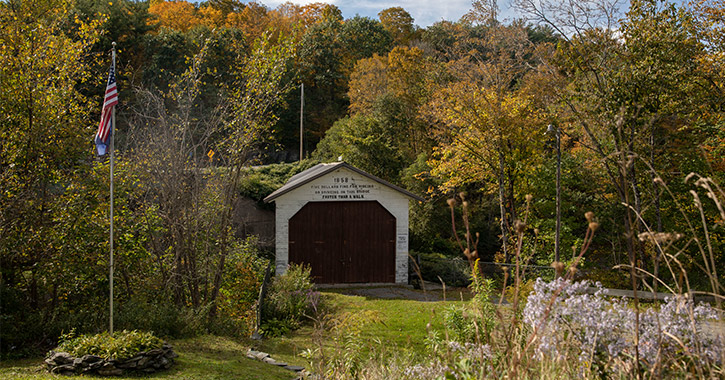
{"x":113,"y":133}
{"x":302,"y":110}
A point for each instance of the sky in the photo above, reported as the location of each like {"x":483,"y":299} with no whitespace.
{"x":424,"y":12}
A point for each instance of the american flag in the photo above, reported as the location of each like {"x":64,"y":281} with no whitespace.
{"x":103,"y":136}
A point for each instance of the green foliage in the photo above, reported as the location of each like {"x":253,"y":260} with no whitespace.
{"x":365,"y":143}
{"x":399,"y":23}
{"x":483,"y":296}
{"x":457,"y":321}
{"x":327,"y":54}
{"x":119,"y":346}
{"x":259,"y":182}
{"x":291,"y":301}
{"x":240,"y":288}
{"x":434,"y":267}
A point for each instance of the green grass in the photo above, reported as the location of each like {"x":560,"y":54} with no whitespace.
{"x":399,"y":324}
{"x":200,"y":358}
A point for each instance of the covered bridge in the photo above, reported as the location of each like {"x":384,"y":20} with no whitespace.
{"x":348,"y":225}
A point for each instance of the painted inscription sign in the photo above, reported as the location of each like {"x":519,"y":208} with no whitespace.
{"x":343,"y":187}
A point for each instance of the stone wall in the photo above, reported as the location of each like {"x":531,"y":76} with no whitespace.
{"x":144,"y":362}
{"x":251,"y":219}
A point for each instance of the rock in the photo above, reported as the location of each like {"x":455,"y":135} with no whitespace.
{"x":129,"y":364}
{"x":137,"y":357}
{"x":280,"y":364}
{"x":78,"y":363}
{"x":171,"y":355}
{"x":154,"y":352}
{"x":261,"y":355}
{"x":148,"y":362}
{"x":88,"y":359}
{"x":59,"y":358}
{"x":143,"y":363}
{"x":294,"y":368}
{"x":96,"y":365}
{"x":109,"y":370}
{"x":63,"y":368}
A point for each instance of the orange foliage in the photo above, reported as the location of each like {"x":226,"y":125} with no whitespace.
{"x":253,"y":20}
{"x":177,"y":14}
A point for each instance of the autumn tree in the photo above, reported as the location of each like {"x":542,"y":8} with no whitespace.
{"x":176,"y":14}
{"x":399,"y":23}
{"x":393,"y":89}
{"x":631,"y":96}
{"x":327,"y":55}
{"x":45,"y":134}
{"x":490,"y":127}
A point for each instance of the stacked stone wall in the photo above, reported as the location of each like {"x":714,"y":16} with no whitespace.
{"x":144,"y":362}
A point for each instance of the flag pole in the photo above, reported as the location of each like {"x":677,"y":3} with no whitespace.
{"x":302,"y":113}
{"x":113,"y":133}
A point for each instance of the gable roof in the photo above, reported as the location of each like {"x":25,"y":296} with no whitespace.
{"x":320,"y":170}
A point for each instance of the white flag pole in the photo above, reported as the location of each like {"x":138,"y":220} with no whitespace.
{"x":113,"y":133}
{"x":302,"y":113}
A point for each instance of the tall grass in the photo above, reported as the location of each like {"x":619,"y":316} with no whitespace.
{"x":559,"y":329}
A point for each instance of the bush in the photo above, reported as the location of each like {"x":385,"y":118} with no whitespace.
{"x":291,"y":301}
{"x":454,"y":271}
{"x":240,"y":289}
{"x":260,"y":182}
{"x":120,"y":346}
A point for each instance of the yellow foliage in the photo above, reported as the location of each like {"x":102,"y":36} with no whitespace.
{"x":481,"y":128}
{"x":177,"y":14}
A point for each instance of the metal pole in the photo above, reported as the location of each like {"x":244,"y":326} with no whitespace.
{"x":113,"y":134}
{"x":558,"y":194}
{"x":302,"y":110}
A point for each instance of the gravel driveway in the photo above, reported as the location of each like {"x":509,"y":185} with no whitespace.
{"x":393,"y":292}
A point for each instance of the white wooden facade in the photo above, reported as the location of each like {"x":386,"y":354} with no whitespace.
{"x":340,"y":182}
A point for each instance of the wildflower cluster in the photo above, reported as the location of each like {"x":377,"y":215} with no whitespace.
{"x":433,"y":370}
{"x":471,"y":350}
{"x":561,"y":313}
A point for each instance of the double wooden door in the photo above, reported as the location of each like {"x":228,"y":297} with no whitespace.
{"x":344,"y":242}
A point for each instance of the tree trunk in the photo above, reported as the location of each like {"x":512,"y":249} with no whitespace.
{"x":658,"y":210}
{"x":502,"y":201}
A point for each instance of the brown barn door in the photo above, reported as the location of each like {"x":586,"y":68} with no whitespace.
{"x":344,"y":242}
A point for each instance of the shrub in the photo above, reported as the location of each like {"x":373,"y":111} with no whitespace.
{"x":120,"y":346}
{"x":291,"y":301}
{"x":459,"y":325}
{"x":240,"y":289}
{"x":454,"y":271}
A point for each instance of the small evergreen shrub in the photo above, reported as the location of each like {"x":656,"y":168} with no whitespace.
{"x":120,"y":346}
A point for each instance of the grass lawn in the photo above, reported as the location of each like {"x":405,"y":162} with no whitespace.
{"x":397,"y":324}
{"x":202,"y":358}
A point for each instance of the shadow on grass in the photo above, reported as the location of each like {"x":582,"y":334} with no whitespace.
{"x":202,"y":358}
